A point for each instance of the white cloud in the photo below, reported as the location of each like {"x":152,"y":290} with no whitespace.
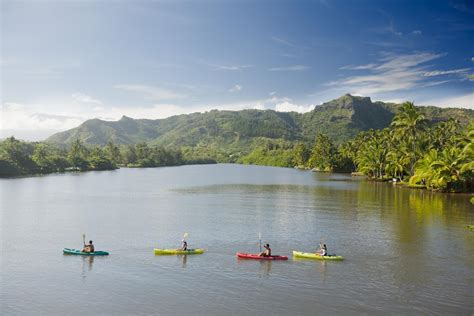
{"x":445,"y":72}
{"x":149,"y":92}
{"x":391,"y":73}
{"x":230,"y":67}
{"x":84,"y":98}
{"x":464,"y":101}
{"x":290,"y":107}
{"x":290,"y":68}
{"x":282,"y":41}
{"x":435,"y":83}
{"x":236,"y":88}
{"x":16,"y":116}
{"x":416,"y":32}
{"x":360,"y":67}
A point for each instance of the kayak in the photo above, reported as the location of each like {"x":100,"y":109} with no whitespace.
{"x":257,"y":257}
{"x":196,"y":251}
{"x":69,"y":251}
{"x":310,"y":255}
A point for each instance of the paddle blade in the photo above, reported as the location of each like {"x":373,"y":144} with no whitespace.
{"x":185,"y":235}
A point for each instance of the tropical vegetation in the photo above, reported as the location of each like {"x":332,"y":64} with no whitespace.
{"x":413,"y":148}
{"x":24,"y":158}
{"x":437,"y":157}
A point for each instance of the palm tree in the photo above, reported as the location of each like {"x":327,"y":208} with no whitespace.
{"x":408,"y":124}
{"x":448,"y":169}
{"x":424,"y":172}
{"x":372,"y":158}
{"x":398,"y":161}
{"x":40,"y":156}
{"x":349,"y":151}
{"x":467,"y":169}
{"x":445,"y":134}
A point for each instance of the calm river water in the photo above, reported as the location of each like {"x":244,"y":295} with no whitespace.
{"x":407,"y":251}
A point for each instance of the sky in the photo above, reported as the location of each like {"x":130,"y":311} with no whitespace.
{"x":63,"y":62}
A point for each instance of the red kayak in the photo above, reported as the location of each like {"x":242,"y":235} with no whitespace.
{"x":257,"y":257}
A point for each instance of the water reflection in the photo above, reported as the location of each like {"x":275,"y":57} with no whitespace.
{"x":184,"y":260}
{"x":87,"y":264}
{"x":319,"y":265}
{"x":406,"y":250}
{"x":265,"y":268}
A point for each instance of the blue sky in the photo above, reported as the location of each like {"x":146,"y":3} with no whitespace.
{"x":63,"y":62}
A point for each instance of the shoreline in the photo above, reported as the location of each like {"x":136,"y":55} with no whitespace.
{"x":398,"y":184}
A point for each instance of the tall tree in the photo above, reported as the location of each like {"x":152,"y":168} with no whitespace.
{"x":408,"y":124}
{"x":77,"y":155}
{"x":41,"y":157}
{"x":301,"y":155}
{"x":112,"y":152}
{"x":322,"y":155}
{"x":130,"y":155}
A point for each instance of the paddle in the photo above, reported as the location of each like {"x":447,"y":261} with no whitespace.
{"x":84,"y":239}
{"x":260,"y":240}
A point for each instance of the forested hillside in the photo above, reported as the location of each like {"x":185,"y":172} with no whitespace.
{"x":340,"y":119}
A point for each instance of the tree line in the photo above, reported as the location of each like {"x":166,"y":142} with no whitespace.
{"x":438,"y":157}
{"x":22,"y":158}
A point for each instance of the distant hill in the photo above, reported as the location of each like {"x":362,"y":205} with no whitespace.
{"x":340,"y":119}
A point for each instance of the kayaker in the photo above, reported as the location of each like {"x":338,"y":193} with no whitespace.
{"x":184,"y":245}
{"x":267,"y":252}
{"x":323,"y":251}
{"x":89,"y":247}
{"x":319,"y":248}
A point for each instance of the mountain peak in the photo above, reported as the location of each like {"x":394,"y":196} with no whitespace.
{"x":351,"y":97}
{"x":348,"y":101}
{"x":125,"y":118}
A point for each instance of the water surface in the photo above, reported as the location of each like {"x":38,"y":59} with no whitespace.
{"x":407,"y":251}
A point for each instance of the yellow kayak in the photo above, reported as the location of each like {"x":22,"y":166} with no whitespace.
{"x":312,"y":255}
{"x":196,"y":251}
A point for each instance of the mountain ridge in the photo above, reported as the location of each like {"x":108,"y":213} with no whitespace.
{"x":341,"y":119}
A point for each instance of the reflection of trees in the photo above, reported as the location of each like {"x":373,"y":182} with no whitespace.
{"x":410,"y":210}
{"x":415,"y":223}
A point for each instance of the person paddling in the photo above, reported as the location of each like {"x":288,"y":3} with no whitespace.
{"x":323,"y":250}
{"x":89,"y":247}
{"x":184,"y":245}
{"x":267,"y":252}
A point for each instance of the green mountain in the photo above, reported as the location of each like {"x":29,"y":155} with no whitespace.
{"x":341,"y":119}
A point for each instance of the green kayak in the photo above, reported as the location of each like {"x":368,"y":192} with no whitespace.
{"x":310,"y":255}
{"x":68,"y":251}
